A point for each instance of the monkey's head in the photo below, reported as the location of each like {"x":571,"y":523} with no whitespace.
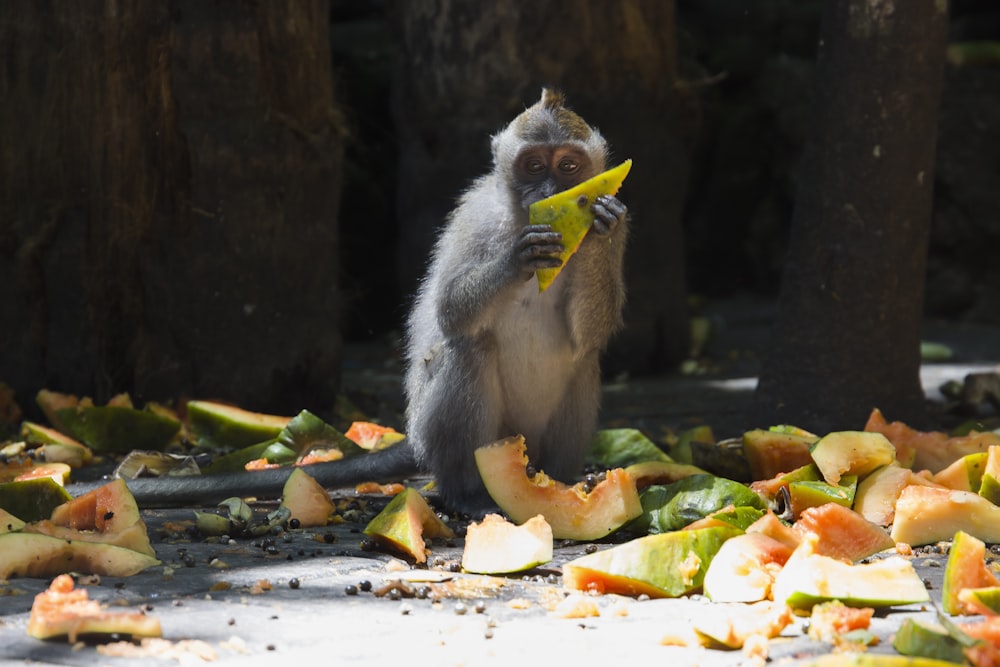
{"x":546,"y":150}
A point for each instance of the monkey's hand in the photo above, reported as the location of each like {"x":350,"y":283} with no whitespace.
{"x":538,"y":247}
{"x":608,"y":214}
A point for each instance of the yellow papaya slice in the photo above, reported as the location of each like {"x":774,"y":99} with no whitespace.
{"x":568,"y":212}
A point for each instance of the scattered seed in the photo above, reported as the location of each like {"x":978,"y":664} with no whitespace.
{"x":293,"y":582}
{"x":350,"y":589}
{"x":294,"y":523}
{"x":480,"y":606}
{"x":365,"y":585}
{"x":405,"y":608}
{"x":460,"y":608}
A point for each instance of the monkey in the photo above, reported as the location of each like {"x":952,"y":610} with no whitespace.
{"x":487,"y":354}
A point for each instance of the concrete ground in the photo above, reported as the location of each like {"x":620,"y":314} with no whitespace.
{"x":297,"y":597}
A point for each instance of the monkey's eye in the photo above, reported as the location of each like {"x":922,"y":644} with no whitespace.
{"x":568,"y":166}
{"x":534,"y":166}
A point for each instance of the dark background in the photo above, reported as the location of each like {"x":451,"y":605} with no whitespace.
{"x":208,"y":198}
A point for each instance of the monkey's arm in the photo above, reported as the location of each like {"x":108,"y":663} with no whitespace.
{"x":496,"y":267}
{"x":598,"y":296}
{"x":395,"y":463}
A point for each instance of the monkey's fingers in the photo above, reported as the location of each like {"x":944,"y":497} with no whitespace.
{"x":609,"y":212}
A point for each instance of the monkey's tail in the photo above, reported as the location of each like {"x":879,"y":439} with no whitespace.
{"x":387,"y":465}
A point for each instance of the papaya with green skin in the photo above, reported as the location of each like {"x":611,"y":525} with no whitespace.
{"x":919,"y":638}
{"x":743,"y":570}
{"x":32,"y":499}
{"x":964,"y":474}
{"x":873,"y":660}
{"x":851,"y":453}
{"x":989,"y":487}
{"x":806,"y":493}
{"x":404,"y":523}
{"x":227,"y":426}
{"x":56,"y":447}
{"x":664,"y":565}
{"x":118,"y":429}
{"x":773,"y":452}
{"x":809,"y":578}
{"x":877,"y":493}
{"x":965,"y":569}
{"x":569,"y":213}
{"x":24,"y":554}
{"x":106,"y":515}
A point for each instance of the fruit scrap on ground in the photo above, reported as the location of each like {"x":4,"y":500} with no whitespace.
{"x":496,"y":546}
{"x":404,"y":523}
{"x":65,"y":611}
{"x":100,"y":532}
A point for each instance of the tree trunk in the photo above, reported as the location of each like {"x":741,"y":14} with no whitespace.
{"x":169,"y":184}
{"x":467,"y":68}
{"x":847,"y":333}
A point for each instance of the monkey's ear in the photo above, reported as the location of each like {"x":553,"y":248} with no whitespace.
{"x":552,"y":98}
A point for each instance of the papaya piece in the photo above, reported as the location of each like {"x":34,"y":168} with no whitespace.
{"x":25,"y":554}
{"x":56,"y":447}
{"x":9,"y":523}
{"x":809,"y":578}
{"x":664,"y":565}
{"x":965,"y":569}
{"x":404,"y":522}
{"x":744,"y":568}
{"x":32,"y":499}
{"x":773,"y":452}
{"x":306,"y":499}
{"x":118,"y":429}
{"x":921,"y":638}
{"x":989,"y":488}
{"x":965,"y":474}
{"x":496,"y":546}
{"x":926,"y":514}
{"x":649,"y":473}
{"x":569,"y":213}
{"x":873,"y":660}
{"x":930,"y":450}
{"x":877,"y":493}
{"x":62,"y":610}
{"x":807,"y":493}
{"x":106,"y":515}
{"x":573,"y":512}
{"x":851,"y":453}
{"x":227,"y":426}
{"x":372,"y":436}
{"x":842,"y":533}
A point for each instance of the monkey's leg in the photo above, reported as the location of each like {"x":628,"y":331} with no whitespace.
{"x":458,"y":410}
{"x":568,"y":434}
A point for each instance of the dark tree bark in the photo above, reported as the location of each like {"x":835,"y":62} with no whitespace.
{"x":847,"y":333}
{"x":467,"y":68}
{"x":168,"y":192}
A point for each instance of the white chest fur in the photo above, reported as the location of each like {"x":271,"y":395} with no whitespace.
{"x":535,"y":357}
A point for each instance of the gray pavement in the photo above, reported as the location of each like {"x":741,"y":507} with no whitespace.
{"x":205,"y":592}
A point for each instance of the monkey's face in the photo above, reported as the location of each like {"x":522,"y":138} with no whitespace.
{"x":542,"y":170}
